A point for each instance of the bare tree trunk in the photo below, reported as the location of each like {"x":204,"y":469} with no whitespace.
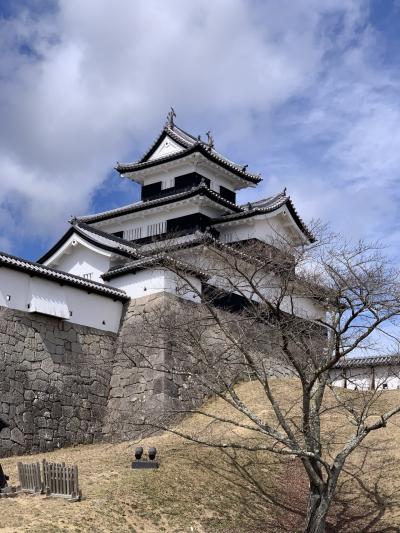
{"x":317,"y":510}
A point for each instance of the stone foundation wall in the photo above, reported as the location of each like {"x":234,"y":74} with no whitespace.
{"x":135,"y":392}
{"x":54,"y":382}
{"x":63,"y":384}
{"x":139,"y":392}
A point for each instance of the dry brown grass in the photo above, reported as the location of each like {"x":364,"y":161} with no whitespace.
{"x":198,"y":489}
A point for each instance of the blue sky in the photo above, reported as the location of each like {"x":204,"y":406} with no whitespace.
{"x":305,"y":92}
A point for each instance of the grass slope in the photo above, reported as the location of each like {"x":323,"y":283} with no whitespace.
{"x":199,"y":489}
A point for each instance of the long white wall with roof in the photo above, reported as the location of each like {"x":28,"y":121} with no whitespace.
{"x":19,"y":290}
{"x":381,"y":376}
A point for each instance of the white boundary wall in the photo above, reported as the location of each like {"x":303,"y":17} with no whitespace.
{"x":19,"y":290}
{"x":364,"y":378}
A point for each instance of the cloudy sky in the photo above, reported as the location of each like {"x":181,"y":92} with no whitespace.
{"x":305,"y":92}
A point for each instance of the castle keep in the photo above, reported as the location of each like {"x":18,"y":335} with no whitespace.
{"x":63,"y":375}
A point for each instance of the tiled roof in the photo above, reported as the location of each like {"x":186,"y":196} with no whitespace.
{"x":190,"y":144}
{"x":36,"y":269}
{"x":102,"y":237}
{"x":184,"y":139}
{"x":194,"y":239}
{"x":175,"y":243}
{"x":141,"y":206}
{"x":361,"y":362}
{"x":267,"y":205}
{"x":97,"y":237}
{"x":154,"y":260}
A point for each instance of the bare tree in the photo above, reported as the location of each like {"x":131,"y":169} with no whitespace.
{"x":265,"y":311}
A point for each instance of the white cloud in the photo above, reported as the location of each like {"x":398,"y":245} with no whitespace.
{"x":100,"y":77}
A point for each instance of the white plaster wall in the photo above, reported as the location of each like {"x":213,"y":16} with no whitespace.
{"x":390,"y":376}
{"x":80,"y":260}
{"x":167,"y":147}
{"x":267,"y":284}
{"x":142,"y":283}
{"x":15,"y":285}
{"x":88,"y":309}
{"x":185,"y":286}
{"x":361,"y":378}
{"x":94,"y":310}
{"x":48,"y":298}
{"x":308,"y":308}
{"x":152,"y":281}
{"x":267,"y":228}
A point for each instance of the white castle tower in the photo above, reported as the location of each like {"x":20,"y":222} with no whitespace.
{"x":188,"y":198}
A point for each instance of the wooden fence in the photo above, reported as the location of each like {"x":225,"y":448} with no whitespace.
{"x":58,"y":479}
{"x":61,"y":480}
{"x":30,"y":477}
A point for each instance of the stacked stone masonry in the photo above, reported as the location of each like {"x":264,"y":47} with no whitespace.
{"x":63,"y":384}
{"x":137,"y":393}
{"x":54,"y":382}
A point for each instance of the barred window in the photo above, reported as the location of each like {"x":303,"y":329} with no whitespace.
{"x":133,"y":233}
{"x":168,"y":183}
{"x":156,"y":229}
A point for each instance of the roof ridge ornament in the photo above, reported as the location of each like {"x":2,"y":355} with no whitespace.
{"x":170,"y":118}
{"x":210,"y":141}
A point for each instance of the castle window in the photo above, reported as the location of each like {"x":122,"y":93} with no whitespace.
{"x":156,"y":229}
{"x":133,"y":234}
{"x":168,"y":183}
{"x":88,"y":275}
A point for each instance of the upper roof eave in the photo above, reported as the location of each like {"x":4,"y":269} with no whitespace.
{"x":81,"y":229}
{"x":276,"y":203}
{"x":197,"y":146}
{"x":167,"y":131}
{"x":140,"y":206}
{"x":150,"y":261}
{"x":363,"y":362}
